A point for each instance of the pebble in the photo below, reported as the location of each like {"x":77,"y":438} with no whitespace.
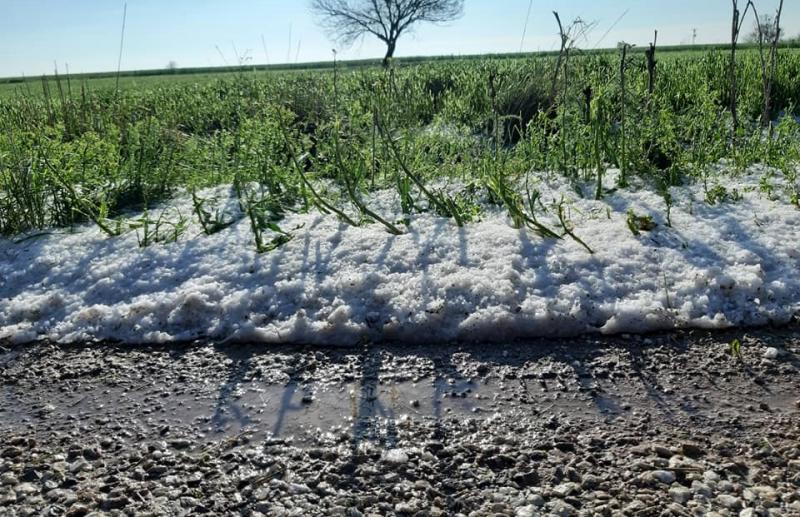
{"x":180,"y":444}
{"x":535,"y":500}
{"x":680,"y":494}
{"x":404,"y":508}
{"x":771,"y":353}
{"x":79,"y":465}
{"x":8,"y":479}
{"x":701,"y":489}
{"x":78,"y":510}
{"x":728,"y":501}
{"x":664,"y":476}
{"x":26,"y":489}
{"x":565,"y":489}
{"x":691,"y":450}
{"x":114,"y":503}
{"x":7,"y":496}
{"x":562,"y":509}
{"x":395,"y":457}
{"x":725,"y":486}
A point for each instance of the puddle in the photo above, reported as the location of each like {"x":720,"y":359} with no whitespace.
{"x":217,"y":395}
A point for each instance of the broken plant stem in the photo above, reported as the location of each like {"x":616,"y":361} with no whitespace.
{"x":568,"y":230}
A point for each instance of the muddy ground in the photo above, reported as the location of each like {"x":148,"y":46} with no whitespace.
{"x":666,"y":424}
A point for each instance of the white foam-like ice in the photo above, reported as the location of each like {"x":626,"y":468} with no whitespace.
{"x":728,"y":264}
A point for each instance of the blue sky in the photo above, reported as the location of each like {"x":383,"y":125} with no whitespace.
{"x":84,"y":34}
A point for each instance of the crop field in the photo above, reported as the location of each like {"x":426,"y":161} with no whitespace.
{"x":84,"y":149}
{"x":548,"y":146}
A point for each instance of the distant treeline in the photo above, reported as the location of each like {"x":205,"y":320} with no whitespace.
{"x":362,"y":63}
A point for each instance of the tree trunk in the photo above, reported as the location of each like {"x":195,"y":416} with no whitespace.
{"x":651,"y":65}
{"x":390,"y":47}
{"x":766,"y":115}
{"x":732,"y":71}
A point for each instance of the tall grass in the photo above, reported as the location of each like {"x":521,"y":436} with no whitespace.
{"x":71,"y":154}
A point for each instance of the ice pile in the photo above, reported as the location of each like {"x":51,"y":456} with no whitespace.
{"x":733,"y":263}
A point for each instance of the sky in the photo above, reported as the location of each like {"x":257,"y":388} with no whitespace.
{"x":36,"y":36}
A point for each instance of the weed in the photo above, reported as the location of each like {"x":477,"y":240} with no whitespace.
{"x":211,"y":222}
{"x":639,"y":223}
{"x":735,"y":347}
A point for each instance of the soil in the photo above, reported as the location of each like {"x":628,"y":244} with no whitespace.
{"x":669,"y":424}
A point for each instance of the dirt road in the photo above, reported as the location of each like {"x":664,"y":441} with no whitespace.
{"x":657,"y":425}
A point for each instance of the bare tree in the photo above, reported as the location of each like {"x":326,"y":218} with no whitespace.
{"x":768,"y":33}
{"x":736,"y":29}
{"x":766,"y":30}
{"x":387,"y":20}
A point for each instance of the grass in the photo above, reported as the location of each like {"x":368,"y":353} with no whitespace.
{"x":145,"y":79}
{"x":74,"y":150}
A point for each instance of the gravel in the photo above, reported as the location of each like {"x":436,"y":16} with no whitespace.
{"x":658,"y":425}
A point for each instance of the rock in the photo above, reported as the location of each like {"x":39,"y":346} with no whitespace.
{"x":31,"y":475}
{"x":7,"y":496}
{"x":771,"y":353}
{"x":11,"y":452}
{"x":395,"y":457}
{"x":661,"y":451}
{"x":298,"y":488}
{"x":527,"y":511}
{"x":691,"y":450}
{"x":26,"y":489}
{"x":405,"y":508}
{"x":565,"y":489}
{"x":680,"y":494}
{"x":156,"y":471}
{"x":562,"y":509}
{"x":263,"y":508}
{"x":701,"y":489}
{"x":535,"y":500}
{"x":663,"y":476}
{"x":77,"y":510}
{"x":92,"y":453}
{"x":114,"y":503}
{"x":8,"y":479}
{"x":591,"y":482}
{"x":676,"y":509}
{"x":496,"y":461}
{"x":725,"y":486}
{"x":180,"y":444}
{"x":769,"y":496}
{"x":635,"y":507}
{"x":79,"y":465}
{"x":526,"y":479}
{"x":730,"y":502}
{"x":61,"y":496}
{"x":747,"y":512}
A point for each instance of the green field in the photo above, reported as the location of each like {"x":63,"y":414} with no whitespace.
{"x":74,"y":149}
{"x":10,"y":86}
